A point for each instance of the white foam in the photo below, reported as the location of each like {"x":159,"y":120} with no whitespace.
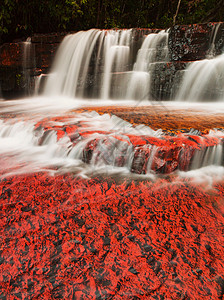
{"x":21,"y":152}
{"x":205,"y":175}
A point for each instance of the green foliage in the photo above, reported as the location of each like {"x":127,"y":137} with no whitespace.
{"x":5,"y":15}
{"x":23,"y":18}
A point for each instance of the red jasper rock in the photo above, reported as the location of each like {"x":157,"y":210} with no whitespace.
{"x":70,"y":238}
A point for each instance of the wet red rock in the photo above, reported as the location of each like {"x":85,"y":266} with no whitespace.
{"x":69,"y":238}
{"x":159,"y":117}
{"x":11,"y":54}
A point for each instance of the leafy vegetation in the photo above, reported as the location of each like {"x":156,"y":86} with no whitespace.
{"x":23,"y":18}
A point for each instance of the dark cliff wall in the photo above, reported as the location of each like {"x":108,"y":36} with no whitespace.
{"x":186,"y":43}
{"x":21,"y":62}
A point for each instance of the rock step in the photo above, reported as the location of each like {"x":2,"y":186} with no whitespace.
{"x":142,"y":154}
{"x":166,"y":117}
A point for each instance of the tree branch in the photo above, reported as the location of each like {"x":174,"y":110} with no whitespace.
{"x":175,"y":16}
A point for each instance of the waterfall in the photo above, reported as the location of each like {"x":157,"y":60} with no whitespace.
{"x":39,"y":83}
{"x":116,"y":57}
{"x":110,"y":65}
{"x":211,"y":51}
{"x":203,"y":80}
{"x":207,"y":156}
{"x":71,"y":62}
{"x":28,"y":64}
{"x":101,"y":64}
{"x":154,"y":49}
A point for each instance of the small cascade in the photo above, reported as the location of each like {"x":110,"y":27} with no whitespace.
{"x":28,"y":64}
{"x":100,"y":64}
{"x":207,"y":156}
{"x":141,"y":151}
{"x":75,"y":70}
{"x":154,"y":49}
{"x":39,"y":84}
{"x":138,"y":85}
{"x":203,"y":80}
{"x":89,"y":141}
{"x":71,"y":64}
{"x":211,"y":51}
{"x":116,"y":57}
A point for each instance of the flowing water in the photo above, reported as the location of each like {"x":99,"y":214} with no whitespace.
{"x":203,"y":80}
{"x":96,"y":68}
{"x":28,"y":64}
{"x":102,"y":64}
{"x":44,"y":134}
{"x":95,"y":207}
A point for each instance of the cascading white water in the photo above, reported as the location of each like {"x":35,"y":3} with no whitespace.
{"x":21,"y":149}
{"x":74,"y":66}
{"x":98,"y":64}
{"x":71,"y":63}
{"x":153,"y":49}
{"x":203,"y":80}
{"x":101,"y":64}
{"x":39,"y":83}
{"x":116,"y":57}
{"x":208,"y":156}
{"x":105,"y":144}
{"x":211,"y":51}
{"x":28,"y":63}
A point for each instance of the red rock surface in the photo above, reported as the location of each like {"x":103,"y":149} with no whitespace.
{"x":69,"y":238}
{"x":169,"y":118}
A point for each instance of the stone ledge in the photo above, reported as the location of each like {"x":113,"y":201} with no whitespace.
{"x":165,"y":117}
{"x":192,"y":42}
